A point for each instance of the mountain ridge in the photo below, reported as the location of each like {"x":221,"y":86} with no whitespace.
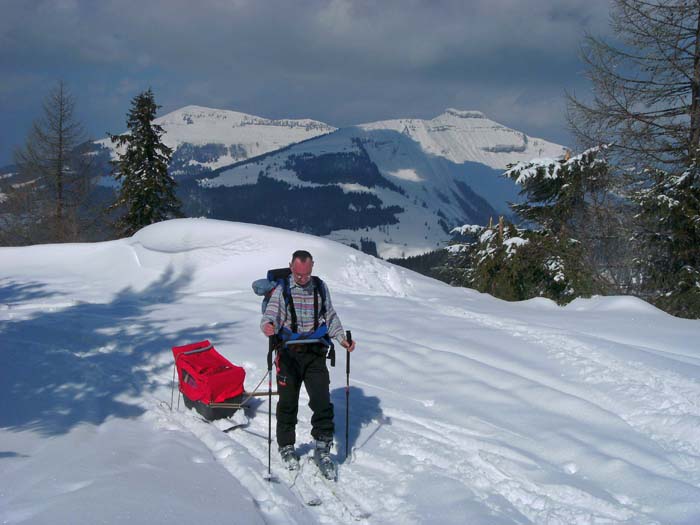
{"x":393,"y":187}
{"x":468,"y":135}
{"x":428,"y":188}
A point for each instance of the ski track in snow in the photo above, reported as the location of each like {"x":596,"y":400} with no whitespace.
{"x":419,"y":444}
{"x":243,"y":452}
{"x":627,"y":388}
{"x":487,"y":469}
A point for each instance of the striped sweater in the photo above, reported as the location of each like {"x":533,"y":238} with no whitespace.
{"x":278,"y":313}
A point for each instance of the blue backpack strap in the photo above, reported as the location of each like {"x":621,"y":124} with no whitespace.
{"x":320,"y":334}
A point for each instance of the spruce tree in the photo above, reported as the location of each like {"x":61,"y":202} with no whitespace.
{"x":550,"y":257}
{"x":670,"y":227}
{"x":517,"y":264}
{"x":147,"y":193}
{"x":571,"y":202}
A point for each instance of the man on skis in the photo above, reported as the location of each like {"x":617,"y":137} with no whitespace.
{"x":299,"y":311}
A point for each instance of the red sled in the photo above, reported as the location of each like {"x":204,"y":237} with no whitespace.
{"x":209,"y":382}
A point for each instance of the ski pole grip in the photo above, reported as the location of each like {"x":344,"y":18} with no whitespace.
{"x":271,"y":348}
{"x":348,"y":336}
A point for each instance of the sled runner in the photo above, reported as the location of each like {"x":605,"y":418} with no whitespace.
{"x":208,"y":381}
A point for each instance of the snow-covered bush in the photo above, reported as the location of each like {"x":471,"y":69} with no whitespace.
{"x":516,"y":264}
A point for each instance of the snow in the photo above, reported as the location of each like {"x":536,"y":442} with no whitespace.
{"x":665,"y":200}
{"x":463,"y":408}
{"x":456,"y":248}
{"x":427,"y":159}
{"x":406,"y":174}
{"x":355,"y":188}
{"x":19,"y":185}
{"x":513,"y":244}
{"x":467,"y":228}
{"x":460,"y":136}
{"x":549,"y":166}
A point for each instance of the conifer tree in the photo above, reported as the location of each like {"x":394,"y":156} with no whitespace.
{"x":51,"y":204}
{"x":147,"y":193}
{"x":670,"y":224}
{"x":517,"y":264}
{"x":551,"y":257}
{"x":576,"y":198}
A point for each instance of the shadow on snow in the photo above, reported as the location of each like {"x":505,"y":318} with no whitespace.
{"x":364,"y":410}
{"x":82,"y":363}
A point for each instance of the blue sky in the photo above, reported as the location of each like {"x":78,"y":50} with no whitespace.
{"x":339,"y":61}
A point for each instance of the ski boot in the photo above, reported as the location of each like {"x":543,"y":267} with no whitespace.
{"x":290,"y":458}
{"x":322,"y":458}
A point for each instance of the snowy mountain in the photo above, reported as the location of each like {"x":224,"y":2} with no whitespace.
{"x":392,"y":188}
{"x":469,"y":136}
{"x":205,"y":139}
{"x":463,"y":408}
{"x":397,"y":187}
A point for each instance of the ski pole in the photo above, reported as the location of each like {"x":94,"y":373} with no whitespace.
{"x":172,"y":389}
{"x":348,"y":336}
{"x":269,"y":401}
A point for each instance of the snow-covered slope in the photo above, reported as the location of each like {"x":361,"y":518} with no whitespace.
{"x":468,"y":136}
{"x":463,"y":408}
{"x":211,"y":138}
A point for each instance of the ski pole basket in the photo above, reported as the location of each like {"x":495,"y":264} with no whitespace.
{"x":208,"y":381}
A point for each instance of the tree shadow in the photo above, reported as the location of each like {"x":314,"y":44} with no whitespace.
{"x":12,"y":293}
{"x":83,"y":363}
{"x":11,"y":454}
{"x":363,"y":411}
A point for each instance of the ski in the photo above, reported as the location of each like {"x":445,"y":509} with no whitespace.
{"x":352,"y":509}
{"x":309,"y":497}
{"x":303,"y":490}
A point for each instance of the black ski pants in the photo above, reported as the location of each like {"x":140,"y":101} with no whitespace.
{"x":306,"y":365}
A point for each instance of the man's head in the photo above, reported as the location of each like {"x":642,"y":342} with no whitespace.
{"x":301,"y":266}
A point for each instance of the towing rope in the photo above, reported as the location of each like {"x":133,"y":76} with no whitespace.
{"x":242,"y":403}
